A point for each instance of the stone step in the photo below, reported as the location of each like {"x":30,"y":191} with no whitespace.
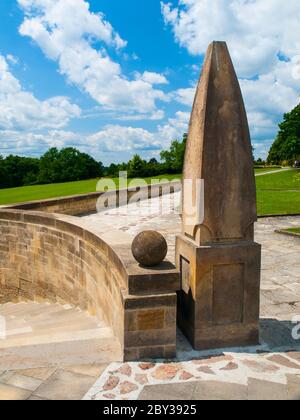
{"x":93,"y":351}
{"x":23,"y":328}
{"x":11,"y":309}
{"x":41,"y":334}
{"x":33,"y":338}
{"x":67,"y":319}
{"x":29,"y":307}
{"x":36,"y":313}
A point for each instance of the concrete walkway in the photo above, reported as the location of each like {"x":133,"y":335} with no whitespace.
{"x":273,"y":172}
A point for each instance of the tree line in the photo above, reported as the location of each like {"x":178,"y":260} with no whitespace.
{"x":69,"y":164}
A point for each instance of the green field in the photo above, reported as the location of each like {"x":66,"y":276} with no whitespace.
{"x":296,"y":230}
{"x":277,"y":193}
{"x":41,"y":192}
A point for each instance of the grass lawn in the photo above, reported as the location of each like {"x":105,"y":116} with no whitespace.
{"x":40,"y":192}
{"x":279,"y":193}
{"x":295,"y":230}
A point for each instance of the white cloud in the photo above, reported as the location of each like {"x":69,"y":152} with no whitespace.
{"x":20,"y":109}
{"x":154,"y":78}
{"x":256,"y":30}
{"x":184,"y":96}
{"x":113,"y":142}
{"x":261,"y":35}
{"x":67,"y":32}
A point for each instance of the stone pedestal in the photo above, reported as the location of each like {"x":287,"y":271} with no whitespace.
{"x":218,"y":305}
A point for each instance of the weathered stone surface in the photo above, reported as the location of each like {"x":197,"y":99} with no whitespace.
{"x":218,"y":305}
{"x":294,"y":355}
{"x":213,"y":360}
{"x":63,"y":385}
{"x":125,"y":370}
{"x":41,"y":373}
{"x":266,"y":391}
{"x":149,"y":248}
{"x":206,"y":369}
{"x":111,"y":383}
{"x":260,"y":366}
{"x":219,"y":152}
{"x":283,"y":361}
{"x":141,"y":378}
{"x":109,"y":396}
{"x":146,"y":366}
{"x":293,"y":387}
{"x":208,"y":390}
{"x":185,"y":376}
{"x":151,"y":319}
{"x":20,"y":381}
{"x":230,"y":366}
{"x":10,"y":393}
{"x":168,"y":392}
{"x":126,"y":387}
{"x":165,"y":372}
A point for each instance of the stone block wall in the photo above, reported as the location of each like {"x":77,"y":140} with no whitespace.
{"x":150,"y":326}
{"x":57,"y":259}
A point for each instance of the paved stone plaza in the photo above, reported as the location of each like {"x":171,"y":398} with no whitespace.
{"x":270,"y":371}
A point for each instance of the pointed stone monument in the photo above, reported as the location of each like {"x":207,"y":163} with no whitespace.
{"x":218,"y":305}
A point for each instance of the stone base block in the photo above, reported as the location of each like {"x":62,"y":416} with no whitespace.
{"x":150,"y":327}
{"x":218,"y":305}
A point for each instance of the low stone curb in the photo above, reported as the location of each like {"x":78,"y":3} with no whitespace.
{"x":287,"y":233}
{"x":267,"y":216}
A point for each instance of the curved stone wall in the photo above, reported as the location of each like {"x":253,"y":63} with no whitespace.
{"x":56,"y":258}
{"x":49,"y":257}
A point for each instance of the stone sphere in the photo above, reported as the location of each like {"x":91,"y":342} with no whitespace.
{"x":149,"y":248}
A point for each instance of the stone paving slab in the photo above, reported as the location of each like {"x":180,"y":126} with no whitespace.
{"x":11,"y":393}
{"x":64,"y":385}
{"x":70,"y":383}
{"x":293,"y":387}
{"x":213,"y":390}
{"x":168,"y":392}
{"x":265,"y":390}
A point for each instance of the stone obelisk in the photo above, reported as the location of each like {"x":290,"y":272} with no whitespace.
{"x":219,"y":261}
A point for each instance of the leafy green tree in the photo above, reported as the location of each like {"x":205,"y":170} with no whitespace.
{"x":154,"y":168}
{"x":14,"y":171}
{"x":286,"y":147}
{"x":260,"y":162}
{"x":68,"y":165}
{"x":136,"y":167}
{"x":112,"y":170}
{"x":3,"y":173}
{"x":173,"y":159}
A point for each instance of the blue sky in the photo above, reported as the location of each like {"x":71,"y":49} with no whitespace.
{"x":115,"y":77}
